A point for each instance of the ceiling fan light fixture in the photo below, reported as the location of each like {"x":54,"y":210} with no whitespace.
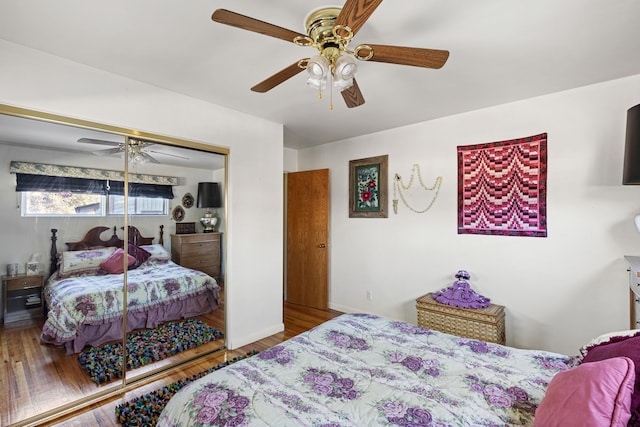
{"x":318,"y":67}
{"x":138,"y":159}
{"x":345,"y":68}
{"x":317,"y":84}
{"x":136,"y":155}
{"x":330,"y":29}
{"x":342,"y":84}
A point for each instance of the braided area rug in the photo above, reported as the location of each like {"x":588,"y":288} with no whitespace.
{"x":104,"y":363}
{"x":146,"y":409}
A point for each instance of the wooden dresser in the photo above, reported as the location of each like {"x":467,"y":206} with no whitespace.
{"x":199,"y":251}
{"x":486,"y":324}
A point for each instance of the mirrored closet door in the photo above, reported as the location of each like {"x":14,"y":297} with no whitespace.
{"x":176,"y":309}
{"x":90,"y":218}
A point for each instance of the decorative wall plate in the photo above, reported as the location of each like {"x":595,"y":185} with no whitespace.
{"x":187,"y":200}
{"x":178,"y":213}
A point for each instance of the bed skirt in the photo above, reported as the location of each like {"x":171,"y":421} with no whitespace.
{"x":98,"y":334}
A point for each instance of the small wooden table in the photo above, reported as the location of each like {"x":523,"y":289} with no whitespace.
{"x":486,"y":324}
{"x":22,"y":297}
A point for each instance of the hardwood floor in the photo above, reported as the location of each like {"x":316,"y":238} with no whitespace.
{"x":297,"y":319}
{"x":36,"y":378}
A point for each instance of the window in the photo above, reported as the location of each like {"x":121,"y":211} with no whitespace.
{"x":39,"y":203}
{"x":138,"y":206}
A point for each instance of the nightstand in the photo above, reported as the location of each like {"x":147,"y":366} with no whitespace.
{"x":22,"y":296}
{"x":198,"y":251}
{"x":486,"y":324}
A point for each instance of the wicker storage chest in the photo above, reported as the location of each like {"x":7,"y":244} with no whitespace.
{"x":486,"y":324}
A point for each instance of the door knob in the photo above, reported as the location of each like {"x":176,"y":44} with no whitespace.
{"x":322,"y":245}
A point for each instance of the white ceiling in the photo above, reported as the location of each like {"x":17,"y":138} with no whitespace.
{"x":501,"y":51}
{"x":29,"y":133}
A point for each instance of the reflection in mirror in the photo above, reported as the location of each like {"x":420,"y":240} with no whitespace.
{"x":42,"y":370}
{"x":181,"y":279}
{"x":38,"y":377}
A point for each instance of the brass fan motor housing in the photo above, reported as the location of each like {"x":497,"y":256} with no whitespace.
{"x":330,"y":39}
{"x":319,"y":25}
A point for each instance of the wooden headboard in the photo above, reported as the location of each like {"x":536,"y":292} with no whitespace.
{"x":92,"y":239}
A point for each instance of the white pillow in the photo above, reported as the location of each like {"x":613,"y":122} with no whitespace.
{"x":84,"y":261}
{"x":158,"y":253}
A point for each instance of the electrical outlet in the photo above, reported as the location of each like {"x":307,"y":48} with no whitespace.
{"x":370,"y":295}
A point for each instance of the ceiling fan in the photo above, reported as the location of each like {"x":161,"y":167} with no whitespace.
{"x":138,"y":151}
{"x":329,"y":30}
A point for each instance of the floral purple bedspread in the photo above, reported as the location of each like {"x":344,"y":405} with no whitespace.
{"x":98,"y":299}
{"x":363,"y":370}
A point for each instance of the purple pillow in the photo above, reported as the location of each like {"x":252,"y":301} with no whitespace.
{"x":115,"y":263}
{"x":139,"y":254}
{"x":618,"y":347}
{"x":591,"y":394}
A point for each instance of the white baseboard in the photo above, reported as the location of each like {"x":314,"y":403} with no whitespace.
{"x":345,"y":309}
{"x":238,"y":342}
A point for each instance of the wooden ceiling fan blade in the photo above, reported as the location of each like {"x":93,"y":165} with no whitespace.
{"x":108,"y":152}
{"x":98,"y":141}
{"x":234,"y":19}
{"x":277,"y":78}
{"x":353,"y":96}
{"x":149,"y":158}
{"x":168,"y":154}
{"x":355,"y":13}
{"x":418,"y":57}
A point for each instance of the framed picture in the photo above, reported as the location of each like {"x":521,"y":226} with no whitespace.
{"x":187,"y":200}
{"x":177,"y":214}
{"x":368,"y":187}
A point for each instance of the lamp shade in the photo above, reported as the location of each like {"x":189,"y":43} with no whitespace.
{"x":209,"y":195}
{"x":631,"y":171}
{"x":345,"y":68}
{"x":318,"y":67}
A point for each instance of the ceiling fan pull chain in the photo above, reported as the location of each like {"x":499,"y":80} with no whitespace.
{"x":331,"y":90}
{"x":398,"y":186}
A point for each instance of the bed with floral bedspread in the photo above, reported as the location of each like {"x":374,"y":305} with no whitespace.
{"x":363,"y":370}
{"x":87,"y":309}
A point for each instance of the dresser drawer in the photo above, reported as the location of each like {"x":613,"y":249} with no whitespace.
{"x":196,"y":238}
{"x":203,"y":265}
{"x":198,"y":249}
{"x":24,"y":282}
{"x":195,"y":262}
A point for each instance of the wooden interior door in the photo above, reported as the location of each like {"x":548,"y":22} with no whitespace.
{"x":307,"y":238}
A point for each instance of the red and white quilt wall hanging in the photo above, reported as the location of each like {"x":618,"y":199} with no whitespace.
{"x":502,"y":187}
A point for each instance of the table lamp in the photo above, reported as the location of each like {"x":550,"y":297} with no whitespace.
{"x":209,"y":197}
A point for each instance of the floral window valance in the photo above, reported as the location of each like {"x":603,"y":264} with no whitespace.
{"x":88,"y":173}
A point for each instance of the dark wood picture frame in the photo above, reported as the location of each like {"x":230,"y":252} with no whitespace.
{"x":368,"y":187}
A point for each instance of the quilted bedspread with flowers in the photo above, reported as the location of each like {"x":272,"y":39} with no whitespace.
{"x":96,"y":299}
{"x":363,"y":370}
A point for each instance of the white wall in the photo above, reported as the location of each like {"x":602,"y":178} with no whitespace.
{"x":290,"y":157}
{"x":559,"y":291}
{"x":34,"y":80}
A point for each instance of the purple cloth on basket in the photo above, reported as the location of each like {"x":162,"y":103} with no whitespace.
{"x":460,"y":294}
